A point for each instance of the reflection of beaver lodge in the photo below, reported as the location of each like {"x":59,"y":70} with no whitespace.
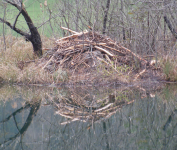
{"x":85,"y":52}
{"x":79,"y":108}
{"x":90,"y":104}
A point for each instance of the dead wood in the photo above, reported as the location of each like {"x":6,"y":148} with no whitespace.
{"x":121,"y":53}
{"x":81,"y":105}
{"x":139,"y":74}
{"x":102,"y":49}
{"x":84,"y":52}
{"x":137,"y":56}
{"x":69,"y":30}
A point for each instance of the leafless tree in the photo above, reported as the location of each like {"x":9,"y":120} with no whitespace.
{"x":139,"y":25}
{"x":170,"y":27}
{"x":33,"y":36}
{"x":105,"y":16}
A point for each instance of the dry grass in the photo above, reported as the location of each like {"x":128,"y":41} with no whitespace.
{"x":18,"y":65}
{"x":16,"y":50}
{"x":168,"y":64}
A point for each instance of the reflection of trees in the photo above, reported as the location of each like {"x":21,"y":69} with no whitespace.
{"x":84,"y":106}
{"x":150,"y":122}
{"x":170,"y":128}
{"x":106,"y":136}
{"x":34,"y":105}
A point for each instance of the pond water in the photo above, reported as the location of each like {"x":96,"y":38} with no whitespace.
{"x":88,"y":118}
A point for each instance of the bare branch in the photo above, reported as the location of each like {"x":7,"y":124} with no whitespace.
{"x":24,"y":13}
{"x":170,"y":27}
{"x":17,"y":16}
{"x":34,"y":37}
{"x":15,"y":29}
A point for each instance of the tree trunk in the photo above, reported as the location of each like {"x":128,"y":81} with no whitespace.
{"x":170,"y":27}
{"x":36,"y":42}
{"x":106,"y":16}
{"x":34,"y":37}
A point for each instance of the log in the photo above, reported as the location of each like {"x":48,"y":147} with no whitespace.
{"x":122,"y":54}
{"x":71,"y":36}
{"x":107,"y":52}
{"x":103,"y":108}
{"x":69,"y":30}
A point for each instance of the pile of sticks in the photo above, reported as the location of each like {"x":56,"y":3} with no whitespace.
{"x":83,"y":50}
{"x":76,"y":107}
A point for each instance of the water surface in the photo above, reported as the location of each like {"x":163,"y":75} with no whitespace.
{"x":88,"y":118}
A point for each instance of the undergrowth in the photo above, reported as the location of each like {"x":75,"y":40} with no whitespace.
{"x":18,"y":65}
{"x":169,"y":67}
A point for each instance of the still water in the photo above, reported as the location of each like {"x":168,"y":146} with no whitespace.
{"x":88,"y":118}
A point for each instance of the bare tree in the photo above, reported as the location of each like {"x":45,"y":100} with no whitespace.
{"x":105,"y":16}
{"x":33,"y":36}
{"x":137,"y":24}
{"x":170,"y":27}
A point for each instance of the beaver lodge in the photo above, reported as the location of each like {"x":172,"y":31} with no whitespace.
{"x":91,"y":57}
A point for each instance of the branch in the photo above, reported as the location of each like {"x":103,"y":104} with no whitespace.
{"x":27,"y":36}
{"x":17,"y":16}
{"x":170,"y":27}
{"x":14,"y":113}
{"x":14,"y":4}
{"x":24,"y":13}
{"x":15,"y":29}
{"x":34,"y":108}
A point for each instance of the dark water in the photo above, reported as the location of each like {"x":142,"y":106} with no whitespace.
{"x":88,"y":118}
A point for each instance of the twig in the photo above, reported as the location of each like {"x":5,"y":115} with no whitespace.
{"x":107,"y":57}
{"x":108,"y":64}
{"x":134,"y":54}
{"x":102,"y":60}
{"x":148,"y":56}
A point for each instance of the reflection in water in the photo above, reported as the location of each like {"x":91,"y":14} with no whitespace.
{"x":89,"y":119}
{"x":33,"y":106}
{"x":89,"y":104}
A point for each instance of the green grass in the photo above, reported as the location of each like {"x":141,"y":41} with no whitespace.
{"x":39,"y":13}
{"x":36,"y":10}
